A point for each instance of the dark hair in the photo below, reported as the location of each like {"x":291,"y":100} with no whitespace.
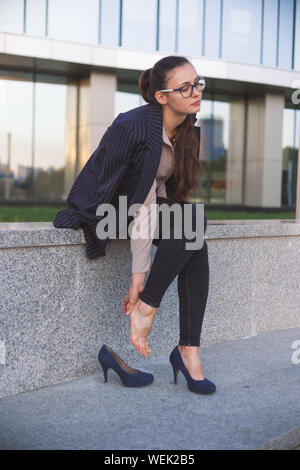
{"x":187,"y":163}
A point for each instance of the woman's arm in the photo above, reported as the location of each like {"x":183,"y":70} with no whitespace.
{"x":141,"y":247}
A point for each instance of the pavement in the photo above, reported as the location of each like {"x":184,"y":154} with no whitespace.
{"x":256,"y":405}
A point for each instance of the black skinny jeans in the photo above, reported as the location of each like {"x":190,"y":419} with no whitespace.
{"x":172,"y":258}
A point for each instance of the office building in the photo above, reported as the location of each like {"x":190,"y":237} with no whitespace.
{"x":68,"y":67}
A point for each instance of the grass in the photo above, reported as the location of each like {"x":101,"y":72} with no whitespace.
{"x":47,"y":214}
{"x":229,"y":215}
{"x":28,"y":213}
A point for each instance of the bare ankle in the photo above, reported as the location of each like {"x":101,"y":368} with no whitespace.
{"x":188,"y":348}
{"x":145,"y":309}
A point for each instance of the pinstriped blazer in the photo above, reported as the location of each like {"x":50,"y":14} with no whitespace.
{"x":124,"y":163}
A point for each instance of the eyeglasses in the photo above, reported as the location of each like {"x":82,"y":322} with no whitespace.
{"x":187,"y":90}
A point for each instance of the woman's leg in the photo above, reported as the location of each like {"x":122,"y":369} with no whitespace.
{"x":172,"y":258}
{"x":193,"y":285}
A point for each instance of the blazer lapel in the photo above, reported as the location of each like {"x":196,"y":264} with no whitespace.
{"x":154,"y":141}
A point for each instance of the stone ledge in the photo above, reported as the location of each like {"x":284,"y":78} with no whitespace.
{"x":25,"y":234}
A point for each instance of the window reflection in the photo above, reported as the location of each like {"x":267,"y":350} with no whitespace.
{"x":220,"y":133}
{"x":12,"y":16}
{"x":167,"y":25}
{"x":74,"y":20}
{"x":204,"y":115}
{"x":285,"y":33}
{"x":212,"y":28}
{"x":35,"y":17}
{"x":110,"y":22}
{"x":125,"y":101}
{"x":270,"y":32}
{"x":139,"y":24}
{"x":16,"y":127}
{"x":190,"y":27}
{"x":290,"y":143}
{"x":49,"y":143}
{"x":297,"y":37}
{"x":214,"y":121}
{"x":32,"y":119}
{"x":243,"y":25}
{"x":241,"y":31}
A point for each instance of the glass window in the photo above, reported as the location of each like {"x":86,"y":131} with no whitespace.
{"x":242,"y":31}
{"x":297,"y":129}
{"x":221,"y":180}
{"x":297,"y":37}
{"x":286,"y":12}
{"x":139,"y":24}
{"x":288,"y":128}
{"x":125,"y":101}
{"x":220,"y":136}
{"x":204,"y":114}
{"x":214,"y":122}
{"x":16,"y":125}
{"x":110,"y":22}
{"x":190,"y":27}
{"x":12,"y":16}
{"x":74,"y":20}
{"x":167,"y":25}
{"x":201,"y":193}
{"x":289,"y":158}
{"x":270,"y":32}
{"x":35,"y":166}
{"x":295,"y":158}
{"x":35,"y":17}
{"x":49,"y":144}
{"x":212,"y":28}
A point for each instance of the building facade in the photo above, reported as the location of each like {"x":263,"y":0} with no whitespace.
{"x":69,"y":67}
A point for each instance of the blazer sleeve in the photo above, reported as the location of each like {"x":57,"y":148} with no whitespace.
{"x":99,"y":178}
{"x":145,"y":221}
{"x":118,"y":143}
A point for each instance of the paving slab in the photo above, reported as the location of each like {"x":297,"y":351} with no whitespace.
{"x":256,"y":405}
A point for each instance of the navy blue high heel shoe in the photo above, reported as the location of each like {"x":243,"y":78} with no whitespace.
{"x":129,"y":376}
{"x":197,"y":386}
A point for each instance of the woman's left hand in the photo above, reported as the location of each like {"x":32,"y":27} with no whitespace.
{"x":132,"y":296}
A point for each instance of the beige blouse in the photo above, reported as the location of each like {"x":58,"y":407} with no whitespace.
{"x":141,"y":247}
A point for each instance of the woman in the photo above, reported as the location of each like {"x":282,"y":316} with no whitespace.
{"x":141,"y":303}
{"x":173,"y":90}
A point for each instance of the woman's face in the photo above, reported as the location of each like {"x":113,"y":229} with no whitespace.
{"x":174,"y":99}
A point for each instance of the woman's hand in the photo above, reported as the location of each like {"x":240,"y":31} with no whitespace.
{"x":132,"y":296}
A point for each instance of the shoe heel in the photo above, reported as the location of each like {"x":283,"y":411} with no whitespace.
{"x":175,"y":370}
{"x":105,"y":369}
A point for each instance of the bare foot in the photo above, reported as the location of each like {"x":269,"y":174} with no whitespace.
{"x":192,"y":361}
{"x":141,"y":319}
